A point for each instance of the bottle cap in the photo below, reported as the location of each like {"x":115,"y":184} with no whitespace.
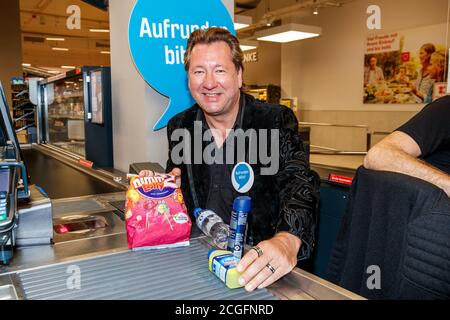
{"x":197,"y":212}
{"x":242,"y":203}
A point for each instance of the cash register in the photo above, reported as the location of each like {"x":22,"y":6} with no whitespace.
{"x":25,"y":212}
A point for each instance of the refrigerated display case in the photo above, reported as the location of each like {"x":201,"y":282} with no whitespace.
{"x":76,"y":113}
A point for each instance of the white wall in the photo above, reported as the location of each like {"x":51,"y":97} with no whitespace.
{"x":267,"y":70}
{"x":136,"y":106}
{"x":326,"y":73}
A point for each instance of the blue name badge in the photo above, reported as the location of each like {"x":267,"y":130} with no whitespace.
{"x":242,"y":177}
{"x":157,"y":34}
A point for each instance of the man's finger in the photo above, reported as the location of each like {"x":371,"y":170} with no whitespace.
{"x":176,"y":172}
{"x":258,"y":279}
{"x":252,"y":270}
{"x":272,"y":278}
{"x":146,"y":173}
{"x":246,"y":260}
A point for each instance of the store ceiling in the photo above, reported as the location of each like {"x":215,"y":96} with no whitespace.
{"x":243,"y":5}
{"x":101,"y":4}
{"x":275,"y":12}
{"x":41,"y":19}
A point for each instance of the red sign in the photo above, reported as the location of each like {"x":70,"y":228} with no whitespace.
{"x":340,"y":179}
{"x":406,"y":56}
{"x":86,"y":163}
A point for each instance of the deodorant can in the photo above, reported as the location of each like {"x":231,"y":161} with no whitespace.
{"x":238,"y":225}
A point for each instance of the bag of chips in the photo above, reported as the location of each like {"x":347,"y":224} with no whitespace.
{"x":156,"y":216}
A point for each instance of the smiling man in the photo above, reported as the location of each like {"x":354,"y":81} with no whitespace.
{"x":285,"y":203}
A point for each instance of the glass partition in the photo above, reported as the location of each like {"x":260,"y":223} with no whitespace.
{"x":65,"y":111}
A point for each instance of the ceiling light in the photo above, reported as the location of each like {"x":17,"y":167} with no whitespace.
{"x":60,"y":49}
{"x":105,"y":52}
{"x":248,"y":44}
{"x":269,"y":19}
{"x":238,"y":25}
{"x":316,"y":11}
{"x":247,"y":48}
{"x":241,"y":21}
{"x":55,"y":39}
{"x":53,"y":71}
{"x":288,"y":32}
{"x":67,"y":67}
{"x":99,"y":30}
{"x":26,"y":64}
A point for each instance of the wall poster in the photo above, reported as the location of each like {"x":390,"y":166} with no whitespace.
{"x":406,"y":67}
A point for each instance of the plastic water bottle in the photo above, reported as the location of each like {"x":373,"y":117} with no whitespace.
{"x":213,"y":226}
{"x":238,"y":225}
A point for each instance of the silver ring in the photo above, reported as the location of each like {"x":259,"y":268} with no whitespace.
{"x":270,"y":268}
{"x":258,"y":250}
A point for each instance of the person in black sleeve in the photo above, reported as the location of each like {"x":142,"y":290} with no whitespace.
{"x":419,"y":148}
{"x":283,"y":218}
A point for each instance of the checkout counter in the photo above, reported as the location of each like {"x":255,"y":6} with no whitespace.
{"x":76,"y":247}
{"x":109,"y":270}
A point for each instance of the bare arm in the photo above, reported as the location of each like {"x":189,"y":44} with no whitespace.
{"x":398,"y":152}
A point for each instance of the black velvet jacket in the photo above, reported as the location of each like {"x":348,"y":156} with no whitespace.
{"x":287,"y":201}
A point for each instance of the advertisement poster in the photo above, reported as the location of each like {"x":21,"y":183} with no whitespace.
{"x":406,"y":67}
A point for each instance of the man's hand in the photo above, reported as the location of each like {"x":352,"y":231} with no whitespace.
{"x":280,"y":252}
{"x":175,"y":172}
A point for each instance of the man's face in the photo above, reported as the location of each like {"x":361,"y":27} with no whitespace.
{"x":214,"y":81}
{"x":373,"y":62}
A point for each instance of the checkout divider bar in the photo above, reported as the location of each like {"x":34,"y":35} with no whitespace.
{"x":323,"y":124}
{"x":335,"y":151}
{"x":72,"y":160}
{"x":62,"y":151}
{"x":361,"y":127}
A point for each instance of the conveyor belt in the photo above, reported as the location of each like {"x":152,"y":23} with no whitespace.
{"x":77,"y":205}
{"x":176,"y":273}
{"x":60,"y":180}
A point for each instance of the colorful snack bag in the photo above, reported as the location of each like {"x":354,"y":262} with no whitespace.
{"x":156,"y":216}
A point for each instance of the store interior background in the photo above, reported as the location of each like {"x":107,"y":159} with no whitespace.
{"x":324,"y":74}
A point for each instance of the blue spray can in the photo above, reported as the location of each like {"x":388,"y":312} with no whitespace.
{"x":238,"y":225}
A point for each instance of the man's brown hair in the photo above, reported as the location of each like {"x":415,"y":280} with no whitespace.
{"x":211,"y":35}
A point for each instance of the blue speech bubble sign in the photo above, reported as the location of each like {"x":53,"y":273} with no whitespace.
{"x":242,"y":177}
{"x":157,"y":34}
